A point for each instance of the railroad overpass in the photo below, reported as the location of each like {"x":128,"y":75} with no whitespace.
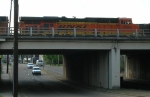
{"x":90,"y":60}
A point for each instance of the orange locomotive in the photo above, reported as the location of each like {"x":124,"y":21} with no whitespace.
{"x":3,"y":25}
{"x":84,"y":26}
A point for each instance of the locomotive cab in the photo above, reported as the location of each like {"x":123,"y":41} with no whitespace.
{"x":125,"y":21}
{"x":127,"y":27}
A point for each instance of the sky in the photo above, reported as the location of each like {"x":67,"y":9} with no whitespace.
{"x":138,"y":10}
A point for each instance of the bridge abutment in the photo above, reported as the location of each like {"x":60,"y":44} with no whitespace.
{"x":95,"y":68}
{"x":137,"y":67}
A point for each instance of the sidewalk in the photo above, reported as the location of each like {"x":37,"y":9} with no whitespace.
{"x":5,"y":85}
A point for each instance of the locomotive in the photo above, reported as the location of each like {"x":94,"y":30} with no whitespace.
{"x":64,"y":26}
{"x":3,"y":25}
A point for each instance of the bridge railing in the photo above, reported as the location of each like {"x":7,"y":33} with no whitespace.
{"x":76,"y":32}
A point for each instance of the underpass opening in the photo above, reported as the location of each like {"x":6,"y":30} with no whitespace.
{"x":136,"y":66}
{"x":89,"y":67}
{"x":136,"y":74}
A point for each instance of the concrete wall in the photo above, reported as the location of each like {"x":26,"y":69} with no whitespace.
{"x":137,"y":67}
{"x":132,"y":67}
{"x":88,"y":68}
{"x":52,"y":43}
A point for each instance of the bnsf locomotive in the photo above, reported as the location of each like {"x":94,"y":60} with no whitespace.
{"x":3,"y":25}
{"x":84,"y":26}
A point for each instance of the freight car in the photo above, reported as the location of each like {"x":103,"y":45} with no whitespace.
{"x":145,"y":29}
{"x":3,"y":25}
{"x":64,"y":26}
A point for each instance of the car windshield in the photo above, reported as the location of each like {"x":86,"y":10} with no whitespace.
{"x":36,"y":68}
{"x":30,"y":64}
{"x":40,"y":61}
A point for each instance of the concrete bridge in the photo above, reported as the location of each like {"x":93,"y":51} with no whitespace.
{"x":90,"y":60}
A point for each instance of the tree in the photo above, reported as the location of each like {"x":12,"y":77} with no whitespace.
{"x":122,"y":63}
{"x":52,"y":59}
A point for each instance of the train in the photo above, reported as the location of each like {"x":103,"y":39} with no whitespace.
{"x":88,"y":26}
{"x":84,"y":26}
{"x":3,"y":25}
{"x":145,"y":28}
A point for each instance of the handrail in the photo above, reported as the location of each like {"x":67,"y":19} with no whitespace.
{"x":76,"y":32}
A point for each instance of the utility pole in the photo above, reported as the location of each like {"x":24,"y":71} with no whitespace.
{"x":15,"y":50}
{"x":58,"y":60}
{"x":7,"y":63}
{"x":0,"y":66}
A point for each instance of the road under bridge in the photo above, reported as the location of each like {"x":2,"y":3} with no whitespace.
{"x":95,"y":62}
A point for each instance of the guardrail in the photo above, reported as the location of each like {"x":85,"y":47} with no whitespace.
{"x":76,"y":32}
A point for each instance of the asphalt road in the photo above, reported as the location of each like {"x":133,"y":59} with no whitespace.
{"x":45,"y":86}
{"x":52,"y":84}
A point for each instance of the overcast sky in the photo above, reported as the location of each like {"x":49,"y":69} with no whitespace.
{"x":138,"y":10}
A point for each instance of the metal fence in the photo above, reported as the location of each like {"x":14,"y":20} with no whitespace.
{"x":76,"y":32}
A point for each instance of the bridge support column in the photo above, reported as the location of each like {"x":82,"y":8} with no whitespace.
{"x":114,"y":68}
{"x":64,"y":67}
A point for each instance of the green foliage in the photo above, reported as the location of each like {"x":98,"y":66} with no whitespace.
{"x":121,"y":67}
{"x":122,"y":63}
{"x":52,"y":59}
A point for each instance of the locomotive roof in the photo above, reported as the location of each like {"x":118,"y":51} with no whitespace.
{"x":57,"y":19}
{"x":3,"y":18}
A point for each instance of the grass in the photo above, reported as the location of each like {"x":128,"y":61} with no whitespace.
{"x":55,"y":64}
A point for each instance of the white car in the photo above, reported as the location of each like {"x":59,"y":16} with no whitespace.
{"x":30,"y":65}
{"x":39,"y":62}
{"x":36,"y":70}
